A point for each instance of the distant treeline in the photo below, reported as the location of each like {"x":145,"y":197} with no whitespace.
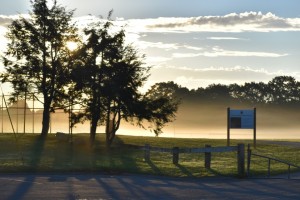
{"x":281,"y":90}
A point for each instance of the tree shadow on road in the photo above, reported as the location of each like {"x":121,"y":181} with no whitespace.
{"x":153,"y":167}
{"x":184,"y":170}
{"x":215,"y":172}
{"x":36,"y":152}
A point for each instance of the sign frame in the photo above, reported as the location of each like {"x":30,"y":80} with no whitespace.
{"x":241,"y":119}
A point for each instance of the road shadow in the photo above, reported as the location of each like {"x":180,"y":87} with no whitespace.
{"x":121,"y":154}
{"x":63,"y":155}
{"x":217,"y":173}
{"x":153,"y":167}
{"x":36,"y":152}
{"x":184,"y":170}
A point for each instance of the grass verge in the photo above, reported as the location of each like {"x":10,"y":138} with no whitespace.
{"x":30,"y":154}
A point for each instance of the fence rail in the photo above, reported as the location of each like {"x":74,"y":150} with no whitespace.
{"x":188,"y":150}
{"x":210,"y":149}
{"x":250,"y":154}
{"x":207,"y":150}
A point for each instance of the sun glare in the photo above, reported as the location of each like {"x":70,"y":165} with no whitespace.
{"x":72,"y":46}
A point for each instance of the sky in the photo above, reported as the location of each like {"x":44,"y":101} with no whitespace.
{"x":195,"y":42}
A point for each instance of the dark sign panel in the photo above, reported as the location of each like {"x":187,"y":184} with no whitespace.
{"x":235,"y":122}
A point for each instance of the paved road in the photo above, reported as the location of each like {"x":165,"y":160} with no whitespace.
{"x":99,"y":186}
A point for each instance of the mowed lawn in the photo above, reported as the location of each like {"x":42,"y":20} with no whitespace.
{"x":30,"y":154}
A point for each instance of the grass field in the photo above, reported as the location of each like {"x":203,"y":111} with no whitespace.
{"x":29,"y":154}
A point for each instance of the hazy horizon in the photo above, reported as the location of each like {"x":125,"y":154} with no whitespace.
{"x":193,"y":121}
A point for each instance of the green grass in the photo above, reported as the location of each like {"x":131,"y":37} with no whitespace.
{"x":259,"y":166}
{"x":30,"y":154}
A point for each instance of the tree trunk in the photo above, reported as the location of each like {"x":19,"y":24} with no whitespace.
{"x":46,"y":119}
{"x":93,"y":130}
{"x":94,"y":123}
{"x":112,"y":126}
{"x":110,"y":138}
{"x":109,"y":126}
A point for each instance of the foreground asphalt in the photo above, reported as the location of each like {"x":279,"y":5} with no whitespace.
{"x":101,"y":187}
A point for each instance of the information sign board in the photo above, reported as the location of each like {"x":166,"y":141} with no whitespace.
{"x":243,"y":119}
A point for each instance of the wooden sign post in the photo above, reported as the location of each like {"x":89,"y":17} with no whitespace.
{"x":241,"y":119}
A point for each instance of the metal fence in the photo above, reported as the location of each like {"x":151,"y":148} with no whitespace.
{"x":25,"y":116}
{"x":250,"y":159}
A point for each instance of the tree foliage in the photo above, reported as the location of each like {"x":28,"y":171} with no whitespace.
{"x":109,"y":74}
{"x":280,"y":90}
{"x":161,"y":104}
{"x":37,"y":58}
{"x":284,"y":89}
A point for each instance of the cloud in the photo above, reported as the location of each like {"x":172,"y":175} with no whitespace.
{"x":233,"y":22}
{"x":186,"y":55}
{"x":160,"y":45}
{"x":218,"y":52}
{"x":224,"y":38}
{"x":247,"y":21}
{"x":5,"y":20}
{"x":166,"y":46}
{"x":157,"y":59}
{"x":192,"y":47}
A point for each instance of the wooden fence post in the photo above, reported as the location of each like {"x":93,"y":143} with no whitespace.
{"x":147,"y":152}
{"x":175,"y":155}
{"x":269,"y":167}
{"x":241,"y":160}
{"x":248,"y":160}
{"x":207,"y":158}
